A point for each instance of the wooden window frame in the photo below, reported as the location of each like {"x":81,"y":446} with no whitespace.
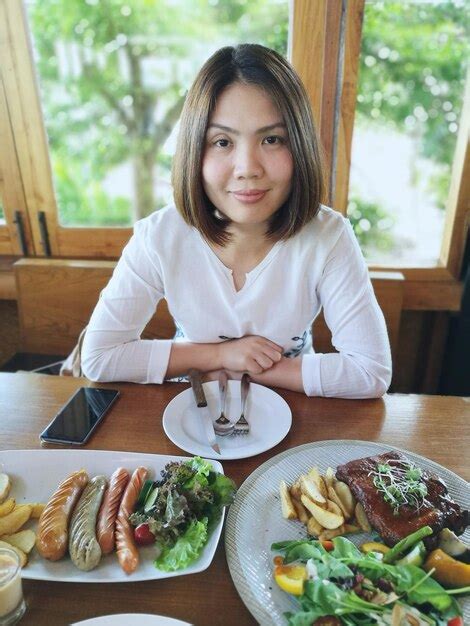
{"x":325,"y":33}
{"x":334,"y":41}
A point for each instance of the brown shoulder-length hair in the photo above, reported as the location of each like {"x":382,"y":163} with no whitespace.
{"x":250,"y":64}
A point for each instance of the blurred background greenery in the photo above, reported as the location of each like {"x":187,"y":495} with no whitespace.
{"x":113,"y":76}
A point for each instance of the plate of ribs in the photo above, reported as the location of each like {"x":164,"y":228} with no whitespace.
{"x":255,"y":520}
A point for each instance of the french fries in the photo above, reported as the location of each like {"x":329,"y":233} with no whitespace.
{"x":13,"y":517}
{"x":5,"y":486}
{"x":323,"y":504}
{"x":24,"y":540}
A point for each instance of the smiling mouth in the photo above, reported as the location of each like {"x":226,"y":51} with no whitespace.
{"x":250,"y":196}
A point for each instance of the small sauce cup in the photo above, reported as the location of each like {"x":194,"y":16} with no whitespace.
{"x":12,"y":604}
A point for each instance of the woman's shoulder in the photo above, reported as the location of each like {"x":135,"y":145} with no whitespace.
{"x":166,"y":220}
{"x":328,"y":224}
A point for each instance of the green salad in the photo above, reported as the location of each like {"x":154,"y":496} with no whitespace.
{"x":178,"y":512}
{"x":336,"y":579}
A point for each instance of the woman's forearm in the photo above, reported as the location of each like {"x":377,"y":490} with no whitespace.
{"x":286,"y":374}
{"x":201,"y":356}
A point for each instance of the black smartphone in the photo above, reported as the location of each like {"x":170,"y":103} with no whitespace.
{"x":77,"y":419}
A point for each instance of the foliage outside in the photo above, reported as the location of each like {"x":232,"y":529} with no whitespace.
{"x":113,"y":76}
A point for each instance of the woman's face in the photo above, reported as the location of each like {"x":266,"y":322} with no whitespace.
{"x":247,"y":164}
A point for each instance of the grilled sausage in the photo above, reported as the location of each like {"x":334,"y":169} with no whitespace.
{"x":127,"y":553}
{"x":54,"y":520}
{"x":84,"y":548}
{"x":109,"y":509}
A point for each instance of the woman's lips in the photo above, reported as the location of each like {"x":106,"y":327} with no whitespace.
{"x":249,"y":197}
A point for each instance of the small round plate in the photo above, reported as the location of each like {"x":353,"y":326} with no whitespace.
{"x":268,"y":414}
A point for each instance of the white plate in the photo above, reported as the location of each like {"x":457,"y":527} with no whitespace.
{"x":254,"y":520}
{"x":35,"y":475}
{"x":126,"y":619}
{"x":269,"y":416}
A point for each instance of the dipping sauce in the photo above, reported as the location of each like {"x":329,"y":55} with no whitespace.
{"x":11,"y":594}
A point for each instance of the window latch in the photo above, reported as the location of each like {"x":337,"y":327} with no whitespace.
{"x":46,"y":246}
{"x":18,"y":221}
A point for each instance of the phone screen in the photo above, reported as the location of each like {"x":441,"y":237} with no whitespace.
{"x":77,"y":419}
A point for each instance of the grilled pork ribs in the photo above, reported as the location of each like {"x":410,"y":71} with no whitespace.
{"x":438,"y":510}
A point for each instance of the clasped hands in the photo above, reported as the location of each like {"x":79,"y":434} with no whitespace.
{"x":252,"y":354}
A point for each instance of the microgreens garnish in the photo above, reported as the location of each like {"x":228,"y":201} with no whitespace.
{"x":401,"y":483}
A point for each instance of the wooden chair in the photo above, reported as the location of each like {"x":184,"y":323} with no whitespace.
{"x":56,"y":298}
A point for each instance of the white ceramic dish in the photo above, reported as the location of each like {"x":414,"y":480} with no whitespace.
{"x":35,"y":475}
{"x":269,"y":416}
{"x":254,"y":520}
{"x":127,"y":619}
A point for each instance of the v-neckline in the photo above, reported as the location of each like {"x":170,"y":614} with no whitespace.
{"x":250,"y":276}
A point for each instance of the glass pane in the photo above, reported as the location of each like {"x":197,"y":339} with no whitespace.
{"x":411,"y":85}
{"x":113,"y":77}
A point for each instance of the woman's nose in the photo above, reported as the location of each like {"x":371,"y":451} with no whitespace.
{"x":247,"y":164}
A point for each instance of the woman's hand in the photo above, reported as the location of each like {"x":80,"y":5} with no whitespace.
{"x":252,"y":354}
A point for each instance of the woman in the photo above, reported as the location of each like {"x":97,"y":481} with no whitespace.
{"x":247,"y":256}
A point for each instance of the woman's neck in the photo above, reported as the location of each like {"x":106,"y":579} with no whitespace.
{"x":245,"y":251}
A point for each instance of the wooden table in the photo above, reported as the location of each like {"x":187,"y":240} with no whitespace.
{"x":434,"y":426}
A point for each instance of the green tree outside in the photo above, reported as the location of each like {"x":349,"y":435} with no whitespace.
{"x":113,"y":76}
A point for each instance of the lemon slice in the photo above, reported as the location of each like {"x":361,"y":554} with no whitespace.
{"x":291,"y":578}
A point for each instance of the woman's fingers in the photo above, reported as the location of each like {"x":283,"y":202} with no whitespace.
{"x":272,"y":354}
{"x":271,"y":345}
{"x":264,"y":361}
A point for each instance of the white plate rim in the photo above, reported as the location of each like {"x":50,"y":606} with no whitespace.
{"x":155,"y":620}
{"x":245,"y":590}
{"x":131,"y":460}
{"x":238,"y":453}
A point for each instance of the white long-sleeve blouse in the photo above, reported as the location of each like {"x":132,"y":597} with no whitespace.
{"x":321,"y":266}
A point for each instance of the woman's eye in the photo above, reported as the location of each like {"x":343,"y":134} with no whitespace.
{"x":221,"y":143}
{"x":272,"y":140}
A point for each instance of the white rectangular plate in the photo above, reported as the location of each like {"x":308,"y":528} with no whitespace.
{"x":35,"y":475}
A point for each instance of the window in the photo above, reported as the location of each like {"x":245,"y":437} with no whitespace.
{"x":112,"y":80}
{"x":409,"y":104}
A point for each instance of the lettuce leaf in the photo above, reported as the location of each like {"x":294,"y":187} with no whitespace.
{"x":186,"y":549}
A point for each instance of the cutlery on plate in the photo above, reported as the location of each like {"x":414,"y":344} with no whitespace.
{"x":222,"y":425}
{"x":201,"y":405}
{"x":241,"y":426}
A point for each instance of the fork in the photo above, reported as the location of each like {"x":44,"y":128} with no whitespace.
{"x":222,"y":425}
{"x":241,"y":425}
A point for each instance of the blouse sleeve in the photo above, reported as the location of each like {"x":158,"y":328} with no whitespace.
{"x":112,"y":349}
{"x":362,"y":368}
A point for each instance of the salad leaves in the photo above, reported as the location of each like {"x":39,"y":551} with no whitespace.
{"x":361,"y":589}
{"x":181,"y":510}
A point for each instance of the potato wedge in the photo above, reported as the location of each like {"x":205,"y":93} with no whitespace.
{"x":23,"y":557}
{"x":334,"y":508}
{"x":333,"y":496}
{"x":24,"y":540}
{"x":288,"y":510}
{"x":326,"y":534}
{"x":5,"y":486}
{"x":346,"y":497}
{"x":314,"y":528}
{"x":317,"y":478}
{"x":351,"y":528}
{"x":310,"y":489}
{"x":324,"y":517}
{"x":361,"y":518}
{"x":330,"y":477}
{"x":38,"y":508}
{"x":301,"y":511}
{"x":7,"y":506}
{"x":295,"y":491}
{"x":12,"y":522}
